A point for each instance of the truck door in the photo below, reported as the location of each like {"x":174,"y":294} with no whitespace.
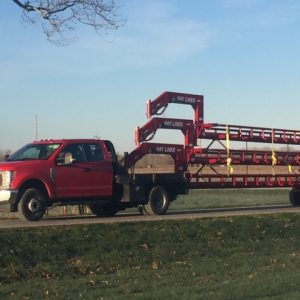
{"x":101,"y":169}
{"x":74,"y":179}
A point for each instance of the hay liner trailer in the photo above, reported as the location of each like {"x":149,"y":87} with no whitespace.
{"x":50,"y":173}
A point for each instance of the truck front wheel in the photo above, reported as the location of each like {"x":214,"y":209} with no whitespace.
{"x":31,"y":206}
{"x":158,"y":201}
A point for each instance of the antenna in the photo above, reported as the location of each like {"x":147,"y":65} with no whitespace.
{"x":36,"y":127}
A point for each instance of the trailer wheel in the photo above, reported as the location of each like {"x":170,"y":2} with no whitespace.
{"x":295,"y":197}
{"x":32,"y":205}
{"x":158,"y":202}
{"x":103,"y":210}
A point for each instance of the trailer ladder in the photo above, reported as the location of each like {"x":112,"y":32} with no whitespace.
{"x":189,"y":154}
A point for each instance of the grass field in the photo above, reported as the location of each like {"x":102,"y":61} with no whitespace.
{"x":225,"y":258}
{"x":198,"y":199}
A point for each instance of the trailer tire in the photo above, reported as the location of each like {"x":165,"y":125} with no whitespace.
{"x":295,"y":197}
{"x":103,"y":210}
{"x":158,"y":201}
{"x":32,"y":205}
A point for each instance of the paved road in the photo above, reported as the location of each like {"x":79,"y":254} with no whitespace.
{"x":172,"y":215}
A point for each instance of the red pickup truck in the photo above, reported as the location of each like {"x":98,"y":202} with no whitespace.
{"x":50,"y":173}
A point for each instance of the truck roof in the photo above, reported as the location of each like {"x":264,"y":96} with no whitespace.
{"x":60,"y":141}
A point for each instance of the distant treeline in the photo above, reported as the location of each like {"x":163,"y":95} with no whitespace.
{"x":3,"y":153}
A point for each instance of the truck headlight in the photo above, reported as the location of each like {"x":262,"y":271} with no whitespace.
{"x":5,"y":179}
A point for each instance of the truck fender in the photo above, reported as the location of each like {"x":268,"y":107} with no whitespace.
{"x":37,"y":183}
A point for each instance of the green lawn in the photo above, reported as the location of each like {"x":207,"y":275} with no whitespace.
{"x":198,"y":199}
{"x":225,"y":258}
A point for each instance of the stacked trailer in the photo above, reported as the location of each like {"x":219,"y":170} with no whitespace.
{"x":191,"y":160}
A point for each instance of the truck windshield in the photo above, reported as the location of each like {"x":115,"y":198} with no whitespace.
{"x":34,"y":152}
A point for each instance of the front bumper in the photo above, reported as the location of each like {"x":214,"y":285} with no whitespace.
{"x":8,"y":199}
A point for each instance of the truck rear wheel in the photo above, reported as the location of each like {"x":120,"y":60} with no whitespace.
{"x":103,"y":210}
{"x":32,"y":206}
{"x":158,"y":202}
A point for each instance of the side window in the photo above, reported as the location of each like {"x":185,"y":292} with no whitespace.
{"x":76,"y":150}
{"x":94,"y":152}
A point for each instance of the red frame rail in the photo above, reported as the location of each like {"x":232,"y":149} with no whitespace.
{"x":244,"y":181}
{"x":147,"y":132}
{"x":159,"y":105}
{"x":175,"y":151}
{"x":242,"y":157}
{"x":215,"y":131}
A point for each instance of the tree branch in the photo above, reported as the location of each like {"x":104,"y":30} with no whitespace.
{"x":60,"y":16}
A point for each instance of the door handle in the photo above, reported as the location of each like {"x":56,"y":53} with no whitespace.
{"x":85,"y":169}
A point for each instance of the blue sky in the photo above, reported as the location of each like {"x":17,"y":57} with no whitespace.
{"x":242,"y":55}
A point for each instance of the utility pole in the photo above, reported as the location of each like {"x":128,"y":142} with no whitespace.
{"x":1,"y":144}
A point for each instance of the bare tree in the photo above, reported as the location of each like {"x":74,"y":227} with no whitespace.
{"x":60,"y":17}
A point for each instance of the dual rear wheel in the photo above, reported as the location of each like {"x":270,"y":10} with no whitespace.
{"x":158,"y":201}
{"x":158,"y":204}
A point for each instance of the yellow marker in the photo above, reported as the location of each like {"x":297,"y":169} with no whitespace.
{"x":229,"y":167}
{"x":274,"y":158}
{"x":290,"y":168}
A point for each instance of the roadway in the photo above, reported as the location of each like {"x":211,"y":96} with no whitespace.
{"x":136,"y":217}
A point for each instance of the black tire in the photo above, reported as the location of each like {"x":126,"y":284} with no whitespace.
{"x":158,"y":201}
{"x":295,"y":197}
{"x":32,"y":205}
{"x":103,"y":210}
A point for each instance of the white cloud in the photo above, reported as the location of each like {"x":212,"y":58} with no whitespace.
{"x":155,"y":34}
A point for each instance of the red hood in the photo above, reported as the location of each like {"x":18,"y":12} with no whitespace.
{"x":14,"y":165}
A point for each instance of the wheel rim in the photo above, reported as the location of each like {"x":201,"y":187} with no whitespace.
{"x":34,"y":205}
{"x":159,"y":201}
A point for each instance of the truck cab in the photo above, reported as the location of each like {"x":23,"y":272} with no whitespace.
{"x":57,"y":172}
